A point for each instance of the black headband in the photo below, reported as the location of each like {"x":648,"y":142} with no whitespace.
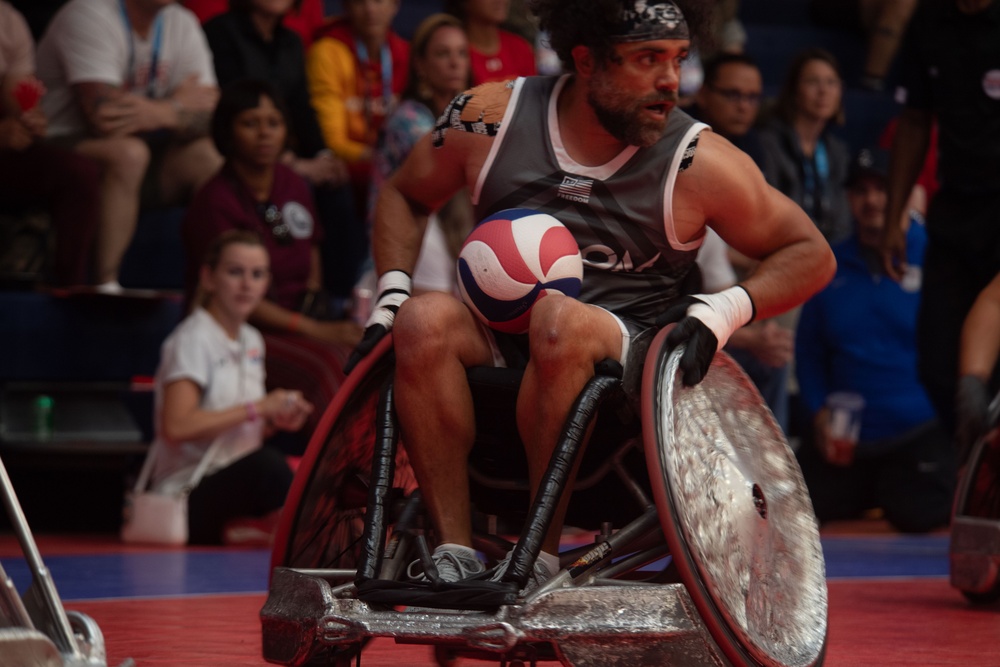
{"x":643,"y":20}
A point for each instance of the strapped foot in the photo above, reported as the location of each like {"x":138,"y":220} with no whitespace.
{"x":539,"y":573}
{"x":451,"y":566}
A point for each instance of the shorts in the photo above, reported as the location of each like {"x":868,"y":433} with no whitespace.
{"x":511,"y":350}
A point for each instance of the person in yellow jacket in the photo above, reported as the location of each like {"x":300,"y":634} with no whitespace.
{"x":356,"y":72}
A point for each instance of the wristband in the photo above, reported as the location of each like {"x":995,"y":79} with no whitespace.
{"x":724,"y":312}
{"x":394,"y":281}
{"x":295,"y":322}
{"x":393,"y":288}
{"x":252,"y":414}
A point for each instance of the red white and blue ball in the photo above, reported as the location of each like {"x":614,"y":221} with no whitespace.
{"x":513,"y":258}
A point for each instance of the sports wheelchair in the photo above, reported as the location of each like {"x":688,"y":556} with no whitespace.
{"x":975,"y":523}
{"x":705,"y":547}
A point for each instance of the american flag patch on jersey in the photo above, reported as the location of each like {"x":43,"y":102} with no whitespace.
{"x":574,"y":188}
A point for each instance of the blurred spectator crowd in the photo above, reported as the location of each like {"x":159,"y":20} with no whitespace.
{"x":283,"y":117}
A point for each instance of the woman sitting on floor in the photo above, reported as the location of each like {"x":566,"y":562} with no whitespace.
{"x":210,"y":400}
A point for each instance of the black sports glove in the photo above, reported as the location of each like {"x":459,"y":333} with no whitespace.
{"x":393,"y":289}
{"x":972,"y":404}
{"x":705,"y":322}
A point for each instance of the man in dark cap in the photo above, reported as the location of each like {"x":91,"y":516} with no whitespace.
{"x":653,"y":182}
{"x":859,"y":336}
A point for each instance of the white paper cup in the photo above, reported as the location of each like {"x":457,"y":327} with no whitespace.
{"x":844,"y":427}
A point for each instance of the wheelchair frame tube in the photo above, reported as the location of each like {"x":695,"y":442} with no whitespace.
{"x":383,"y":472}
{"x":554,"y":480}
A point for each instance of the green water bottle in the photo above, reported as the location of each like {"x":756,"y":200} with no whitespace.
{"x":43,"y":416}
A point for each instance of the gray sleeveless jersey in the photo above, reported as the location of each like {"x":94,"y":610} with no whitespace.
{"x":619,"y":212}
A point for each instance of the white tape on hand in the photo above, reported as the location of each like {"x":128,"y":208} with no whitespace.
{"x":723,"y":312}
{"x":393,"y":289}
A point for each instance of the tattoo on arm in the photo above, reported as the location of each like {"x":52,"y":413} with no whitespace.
{"x":90,"y":96}
{"x":192,"y":124}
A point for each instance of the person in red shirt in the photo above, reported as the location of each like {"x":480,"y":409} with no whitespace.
{"x":495,"y":54}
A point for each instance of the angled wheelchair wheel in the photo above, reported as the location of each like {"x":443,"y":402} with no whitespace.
{"x":323,"y":519}
{"x":735,"y":512}
{"x":975,"y":526}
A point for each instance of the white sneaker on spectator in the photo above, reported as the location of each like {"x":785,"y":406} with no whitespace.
{"x":110,"y":287}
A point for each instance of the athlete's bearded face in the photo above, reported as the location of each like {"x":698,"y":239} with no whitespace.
{"x":633,"y":94}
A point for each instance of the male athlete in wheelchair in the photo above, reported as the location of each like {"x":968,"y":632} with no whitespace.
{"x":646,"y":180}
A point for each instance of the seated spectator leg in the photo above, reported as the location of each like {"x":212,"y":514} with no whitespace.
{"x":917,"y":482}
{"x":125,"y":160}
{"x":253,"y":486}
{"x":75,"y":203}
{"x":185,"y":168}
{"x":68,"y":186}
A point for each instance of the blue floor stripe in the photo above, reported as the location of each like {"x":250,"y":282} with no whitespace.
{"x":160,"y":574}
{"x":176,"y":573}
{"x":886,"y":556}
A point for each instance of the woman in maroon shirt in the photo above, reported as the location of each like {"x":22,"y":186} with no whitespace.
{"x":254,"y":191}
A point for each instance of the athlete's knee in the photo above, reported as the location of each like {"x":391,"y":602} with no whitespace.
{"x":425,"y":326}
{"x":558,"y":333}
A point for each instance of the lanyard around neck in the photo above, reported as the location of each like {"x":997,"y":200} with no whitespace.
{"x":816,"y":172}
{"x":154,"y":58}
{"x":386,"y":61}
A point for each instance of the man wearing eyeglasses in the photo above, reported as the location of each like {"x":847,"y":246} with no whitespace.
{"x":729,"y":100}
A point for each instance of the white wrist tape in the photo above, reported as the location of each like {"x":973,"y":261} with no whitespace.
{"x":393,"y":288}
{"x":723,"y":312}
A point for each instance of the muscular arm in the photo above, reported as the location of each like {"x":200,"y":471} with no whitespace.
{"x":724,"y":188}
{"x":909,"y":148}
{"x":111,"y":112}
{"x":980,"y":345}
{"x":427,"y":179}
{"x":183,"y":420}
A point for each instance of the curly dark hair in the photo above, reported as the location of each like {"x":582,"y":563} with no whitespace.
{"x":571,"y":23}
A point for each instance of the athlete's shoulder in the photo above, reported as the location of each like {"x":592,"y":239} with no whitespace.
{"x":479,"y":110}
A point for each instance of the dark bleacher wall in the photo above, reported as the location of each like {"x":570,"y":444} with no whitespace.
{"x":82,"y":338}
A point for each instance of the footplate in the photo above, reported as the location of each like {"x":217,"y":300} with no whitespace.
{"x":975,"y":554}
{"x":633,"y":625}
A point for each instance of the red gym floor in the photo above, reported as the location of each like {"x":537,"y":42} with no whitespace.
{"x":890,"y":602}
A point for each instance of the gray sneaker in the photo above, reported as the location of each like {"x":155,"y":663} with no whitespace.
{"x":538,"y":576}
{"x":451,"y":566}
